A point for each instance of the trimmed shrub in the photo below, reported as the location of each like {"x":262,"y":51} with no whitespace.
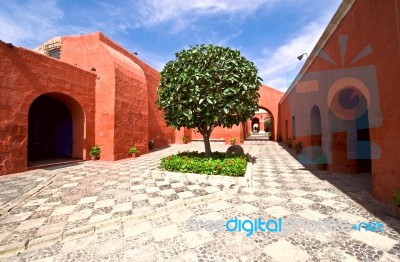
{"x":194,"y":162}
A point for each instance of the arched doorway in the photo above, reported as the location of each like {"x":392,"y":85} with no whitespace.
{"x":265,"y":121}
{"x":316,"y":132}
{"x":363,"y":142}
{"x":55,"y":130}
{"x":349,"y":117}
{"x":255,"y":125}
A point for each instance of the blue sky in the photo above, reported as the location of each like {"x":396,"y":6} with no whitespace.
{"x":271,"y":33}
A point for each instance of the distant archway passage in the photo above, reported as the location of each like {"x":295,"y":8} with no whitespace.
{"x":265,"y":120}
{"x":53,"y":128}
{"x":255,"y":124}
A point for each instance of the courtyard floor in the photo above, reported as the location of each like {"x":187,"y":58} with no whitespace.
{"x":115,"y":211}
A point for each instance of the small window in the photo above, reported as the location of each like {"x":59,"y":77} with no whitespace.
{"x":53,"y":50}
{"x":55,"y":53}
{"x":286,"y":130}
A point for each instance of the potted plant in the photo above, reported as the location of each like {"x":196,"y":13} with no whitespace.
{"x":134,"y":152}
{"x":322,"y":162}
{"x":279,"y":138}
{"x":396,"y":197}
{"x":232,"y":140}
{"x":95,"y":152}
{"x":289,"y":142}
{"x":298,"y":146}
{"x":151,"y":144}
{"x":185,"y":139}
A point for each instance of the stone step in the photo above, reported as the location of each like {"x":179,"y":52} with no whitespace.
{"x":212,"y":140}
{"x":257,"y":142}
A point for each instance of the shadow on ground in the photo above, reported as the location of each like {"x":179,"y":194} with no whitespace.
{"x":359,"y":188}
{"x":53,"y":163}
{"x":158,"y":149}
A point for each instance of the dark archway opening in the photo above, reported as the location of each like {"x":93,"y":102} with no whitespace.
{"x":50,"y":131}
{"x":364,"y":163}
{"x":255,"y":125}
{"x":351,"y":110}
{"x":316,"y":132}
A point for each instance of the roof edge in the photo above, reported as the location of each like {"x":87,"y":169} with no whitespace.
{"x":341,"y":12}
{"x":267,"y":86}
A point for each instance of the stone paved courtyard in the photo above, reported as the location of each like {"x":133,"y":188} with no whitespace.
{"x":115,"y":211}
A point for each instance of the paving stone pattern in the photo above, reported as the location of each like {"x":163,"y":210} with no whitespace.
{"x":112,"y":195}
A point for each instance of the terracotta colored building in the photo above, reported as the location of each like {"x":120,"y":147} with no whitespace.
{"x":76,"y":91}
{"x":125,"y":110}
{"x":81,"y":91}
{"x":343,"y":103}
{"x":31,"y":83}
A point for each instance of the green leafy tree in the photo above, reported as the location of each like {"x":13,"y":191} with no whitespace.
{"x":208,"y":86}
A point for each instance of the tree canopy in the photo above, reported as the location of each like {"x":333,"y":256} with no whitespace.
{"x":208,"y":86}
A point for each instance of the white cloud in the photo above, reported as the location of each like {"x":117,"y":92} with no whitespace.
{"x":182,"y":12}
{"x":26,"y":23}
{"x":154,"y":60}
{"x":29,"y":23}
{"x":224,"y":40}
{"x":158,"y":61}
{"x":279,"y":67}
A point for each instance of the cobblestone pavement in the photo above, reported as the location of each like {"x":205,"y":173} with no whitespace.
{"x":96,"y":211}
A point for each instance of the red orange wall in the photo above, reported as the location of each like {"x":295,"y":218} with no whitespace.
{"x":269,"y":100}
{"x":125,"y":95}
{"x":179,"y":134}
{"x":222,"y":133}
{"x":25,"y":75}
{"x":376,"y":23}
{"x":157,"y":128}
{"x":131,"y":122}
{"x":87,"y":52}
{"x":284,"y":131}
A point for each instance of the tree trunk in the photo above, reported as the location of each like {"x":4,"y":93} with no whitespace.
{"x":206,"y":133}
{"x":207,"y":145}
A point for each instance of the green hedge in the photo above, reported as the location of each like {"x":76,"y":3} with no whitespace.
{"x":194,"y":162}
